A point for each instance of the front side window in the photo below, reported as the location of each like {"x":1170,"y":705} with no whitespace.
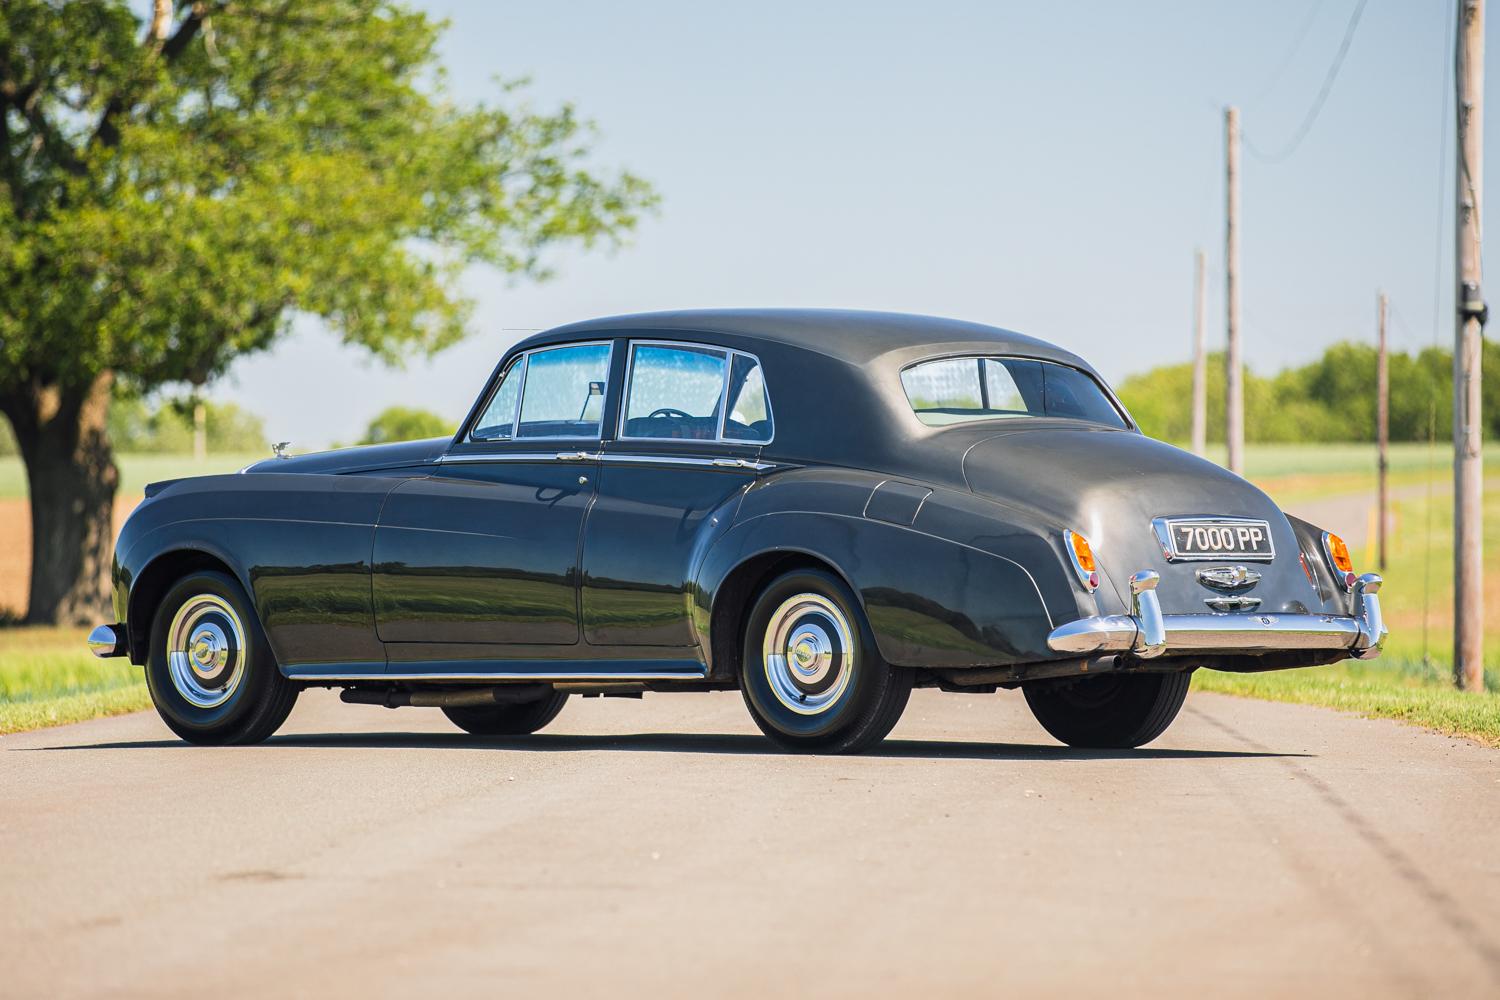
{"x":563,"y":396}
{"x":957,"y":390}
{"x":498,"y":421}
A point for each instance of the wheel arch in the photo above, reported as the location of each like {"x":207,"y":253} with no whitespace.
{"x":156,"y":577}
{"x":735,"y":594}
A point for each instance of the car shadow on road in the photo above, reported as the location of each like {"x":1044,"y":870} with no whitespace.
{"x":691,"y":743}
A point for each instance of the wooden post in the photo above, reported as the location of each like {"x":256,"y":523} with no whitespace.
{"x":1468,"y":474}
{"x":1200,"y":357}
{"x":1234,"y":391}
{"x":1382,"y":432}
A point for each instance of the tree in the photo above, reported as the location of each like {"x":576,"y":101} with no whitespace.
{"x":174,"y":192}
{"x":404,"y":423}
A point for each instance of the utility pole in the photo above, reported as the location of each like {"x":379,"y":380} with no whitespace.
{"x":200,"y":429}
{"x":1234,"y":391}
{"x":1200,"y":357}
{"x":1382,"y":431}
{"x":1468,"y":474}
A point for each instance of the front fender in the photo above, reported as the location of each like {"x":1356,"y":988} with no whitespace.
{"x":300,"y":545}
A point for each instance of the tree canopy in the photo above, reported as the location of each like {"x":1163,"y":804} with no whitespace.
{"x":177,"y":185}
{"x":173,"y":202}
{"x":405,"y":423}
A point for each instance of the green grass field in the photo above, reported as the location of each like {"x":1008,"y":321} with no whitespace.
{"x":137,"y":470}
{"x":48,"y":678}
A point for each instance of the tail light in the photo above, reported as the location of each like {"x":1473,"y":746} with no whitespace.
{"x":1337,"y":554}
{"x":1082,"y":556}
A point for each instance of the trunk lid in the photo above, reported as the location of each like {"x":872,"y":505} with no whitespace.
{"x":1110,"y":485}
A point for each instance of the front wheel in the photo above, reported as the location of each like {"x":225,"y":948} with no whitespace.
{"x":210,"y":670}
{"x":811,"y":674}
{"x":1110,"y":711}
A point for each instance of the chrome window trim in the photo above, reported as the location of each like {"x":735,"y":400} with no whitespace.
{"x":1109,"y":393}
{"x":515,"y":414}
{"x":607,"y":457}
{"x":524,"y":359}
{"x":729,"y":354}
{"x":1163,"y":530}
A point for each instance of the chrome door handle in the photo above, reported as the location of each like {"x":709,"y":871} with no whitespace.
{"x":741,"y":463}
{"x":573,"y":456}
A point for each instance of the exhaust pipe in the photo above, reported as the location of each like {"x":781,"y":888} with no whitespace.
{"x":503,"y":694}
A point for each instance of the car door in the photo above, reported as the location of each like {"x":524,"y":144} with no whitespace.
{"x":485,"y":550}
{"x":693,"y":419}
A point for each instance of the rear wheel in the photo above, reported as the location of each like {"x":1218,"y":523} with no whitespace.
{"x":1115,"y":711}
{"x":210,"y":670}
{"x":811,"y":674}
{"x":515,"y":719}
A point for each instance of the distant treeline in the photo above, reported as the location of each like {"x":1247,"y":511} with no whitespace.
{"x":1331,"y":399}
{"x":166,"y":427}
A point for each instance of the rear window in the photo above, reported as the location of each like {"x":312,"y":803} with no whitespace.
{"x":957,"y":390}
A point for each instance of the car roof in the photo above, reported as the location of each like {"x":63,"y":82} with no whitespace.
{"x":857,"y":337}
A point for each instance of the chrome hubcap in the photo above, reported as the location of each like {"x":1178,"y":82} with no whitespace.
{"x":808,"y":654}
{"x":205,"y":650}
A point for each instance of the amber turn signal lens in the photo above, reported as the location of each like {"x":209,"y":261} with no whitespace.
{"x":1082,"y":552}
{"x":1339,"y":553}
{"x":1082,"y":555}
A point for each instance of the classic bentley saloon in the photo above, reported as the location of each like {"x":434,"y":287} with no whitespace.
{"x":821,"y":509}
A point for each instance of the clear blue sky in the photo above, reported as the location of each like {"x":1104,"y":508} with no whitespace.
{"x":1047,"y":167}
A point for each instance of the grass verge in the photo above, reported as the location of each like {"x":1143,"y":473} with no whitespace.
{"x":48,"y":678}
{"x":1381,"y":689}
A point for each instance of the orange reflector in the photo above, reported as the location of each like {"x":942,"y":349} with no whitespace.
{"x":1083,"y":559}
{"x":1083,"y":553}
{"x":1339,"y":553}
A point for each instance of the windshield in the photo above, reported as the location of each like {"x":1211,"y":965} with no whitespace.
{"x":956,"y":390}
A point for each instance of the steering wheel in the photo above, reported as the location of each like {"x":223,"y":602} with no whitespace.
{"x":670,"y":411}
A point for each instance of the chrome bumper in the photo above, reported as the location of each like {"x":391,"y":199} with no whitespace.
{"x":107,"y":640}
{"x":1146,"y":632}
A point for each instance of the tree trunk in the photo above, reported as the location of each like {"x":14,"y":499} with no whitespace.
{"x":62,"y":435}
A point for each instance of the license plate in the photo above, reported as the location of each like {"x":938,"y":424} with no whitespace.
{"x":1215,"y":538}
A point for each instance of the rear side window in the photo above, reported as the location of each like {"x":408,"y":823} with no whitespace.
{"x":695,"y":393}
{"x":675,"y":392}
{"x":749,"y":416}
{"x":957,"y":390}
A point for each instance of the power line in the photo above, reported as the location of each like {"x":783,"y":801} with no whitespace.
{"x":1286,"y":60}
{"x":1317,"y":106}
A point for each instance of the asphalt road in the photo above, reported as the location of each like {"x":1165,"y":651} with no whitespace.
{"x":661,"y":848}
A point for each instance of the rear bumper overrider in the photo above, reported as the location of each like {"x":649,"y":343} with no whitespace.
{"x":1147,"y":633}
